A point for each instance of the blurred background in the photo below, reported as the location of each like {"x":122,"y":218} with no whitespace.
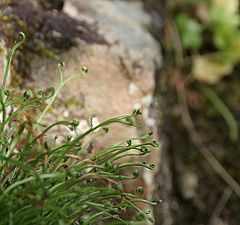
{"x":178,"y":60}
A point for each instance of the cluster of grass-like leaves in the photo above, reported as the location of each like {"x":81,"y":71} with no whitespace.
{"x":46,"y":183}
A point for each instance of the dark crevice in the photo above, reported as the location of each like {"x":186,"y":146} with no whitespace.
{"x":49,"y":31}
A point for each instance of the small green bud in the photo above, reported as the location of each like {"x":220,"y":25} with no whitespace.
{"x":75,"y":123}
{"x":69,"y":138}
{"x":151,"y":166}
{"x":26,"y":94}
{"x":144,"y":150}
{"x":140,"y":190}
{"x":151,"y":219}
{"x":49,"y":92}
{"x":22,"y":35}
{"x":155,"y":143}
{"x":40,"y":92}
{"x":158,"y":201}
{"x":150,"y":133}
{"x":7,"y":92}
{"x":137,"y":112}
{"x":135,"y":173}
{"x":84,"y":70}
{"x":129,"y":142}
{"x":61,"y":64}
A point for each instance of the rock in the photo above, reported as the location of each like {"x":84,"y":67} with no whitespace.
{"x":123,"y":23}
{"x":128,"y":62}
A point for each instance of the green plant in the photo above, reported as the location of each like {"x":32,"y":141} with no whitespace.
{"x":191,"y":31}
{"x":43,"y":182}
{"x":211,"y":30}
{"x":210,"y":34}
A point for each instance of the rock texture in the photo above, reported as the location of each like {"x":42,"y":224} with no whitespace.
{"x":121,"y":73}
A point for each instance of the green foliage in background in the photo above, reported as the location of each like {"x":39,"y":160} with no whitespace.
{"x":48,"y":183}
{"x":214,"y":22}
{"x":210,"y":37}
{"x":223,"y":22}
{"x":191,"y":31}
